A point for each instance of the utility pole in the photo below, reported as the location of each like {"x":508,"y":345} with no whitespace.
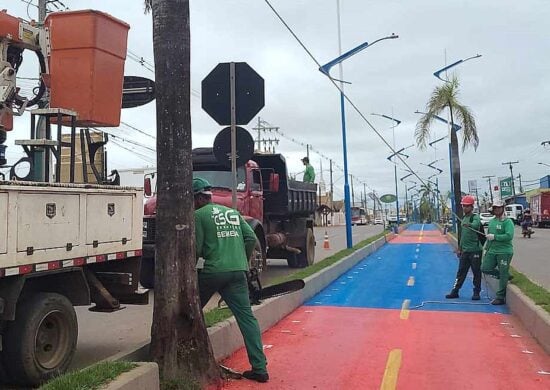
{"x":331,"y":194}
{"x":40,"y":153}
{"x":352,"y":193}
{"x":510,"y":164}
{"x":365,"y":195}
{"x":490,"y":186}
{"x":307,"y":151}
{"x":520,"y":186}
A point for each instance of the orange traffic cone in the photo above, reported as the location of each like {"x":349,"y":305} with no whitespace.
{"x":326,"y":243}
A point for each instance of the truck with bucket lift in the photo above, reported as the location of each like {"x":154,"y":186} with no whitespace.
{"x":62,"y":244}
{"x":280,"y":210}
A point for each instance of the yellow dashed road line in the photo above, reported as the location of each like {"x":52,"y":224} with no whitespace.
{"x":410,"y":282}
{"x":404,"y":315}
{"x":389,"y":382}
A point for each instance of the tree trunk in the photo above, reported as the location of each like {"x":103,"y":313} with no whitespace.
{"x":456,"y":172}
{"x":179,"y":340}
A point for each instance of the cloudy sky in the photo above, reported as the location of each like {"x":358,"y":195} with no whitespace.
{"x":508,"y":88}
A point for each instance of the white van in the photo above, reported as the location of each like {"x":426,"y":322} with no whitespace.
{"x":514,"y":212}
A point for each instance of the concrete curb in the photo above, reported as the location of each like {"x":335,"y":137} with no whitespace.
{"x":226,"y":337}
{"x":144,"y":377}
{"x":535,"y":319}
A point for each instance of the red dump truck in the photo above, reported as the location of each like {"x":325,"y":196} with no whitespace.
{"x":539,"y":200}
{"x":281,"y":211}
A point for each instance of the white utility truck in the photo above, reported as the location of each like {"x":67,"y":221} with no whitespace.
{"x":62,"y":245}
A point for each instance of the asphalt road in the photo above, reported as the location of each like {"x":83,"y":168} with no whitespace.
{"x":532,"y":256}
{"x":103,"y":335}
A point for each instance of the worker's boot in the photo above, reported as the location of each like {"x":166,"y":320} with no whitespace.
{"x":498,"y":301}
{"x":475,"y":296}
{"x":453,"y":294}
{"x":256,"y":376}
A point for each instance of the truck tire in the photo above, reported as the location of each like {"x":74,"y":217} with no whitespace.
{"x":40,"y":343}
{"x":307,"y":257}
{"x":147,"y":272}
{"x":258,"y":258}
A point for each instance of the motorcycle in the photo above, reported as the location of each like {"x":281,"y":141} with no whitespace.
{"x":526,"y":229}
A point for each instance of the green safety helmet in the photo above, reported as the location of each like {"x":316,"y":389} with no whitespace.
{"x":201,"y":186}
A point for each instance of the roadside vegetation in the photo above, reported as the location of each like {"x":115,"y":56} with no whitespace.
{"x":538,"y":294}
{"x":90,"y":378}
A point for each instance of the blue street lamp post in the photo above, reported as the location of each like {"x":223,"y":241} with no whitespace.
{"x":325,"y":69}
{"x":397,"y":122}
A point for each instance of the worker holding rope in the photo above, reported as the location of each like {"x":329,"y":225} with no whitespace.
{"x":469,"y":250}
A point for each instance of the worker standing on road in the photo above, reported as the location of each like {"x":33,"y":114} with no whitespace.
{"x":469,"y":250}
{"x":309,"y":173}
{"x":225,"y":241}
{"x":499,"y":250}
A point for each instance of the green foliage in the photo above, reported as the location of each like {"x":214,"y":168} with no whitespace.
{"x":538,"y":294}
{"x":443,"y":97}
{"x":90,"y":378}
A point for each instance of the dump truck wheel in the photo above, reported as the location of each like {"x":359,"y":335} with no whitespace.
{"x":41,"y":342}
{"x":307,"y":257}
{"x":258,"y":258}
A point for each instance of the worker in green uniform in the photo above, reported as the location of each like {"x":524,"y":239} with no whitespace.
{"x":309,"y":173}
{"x":225,"y":241}
{"x":499,"y":250}
{"x":469,"y":250}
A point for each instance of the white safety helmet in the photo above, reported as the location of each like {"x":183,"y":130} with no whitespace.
{"x":498,"y":203}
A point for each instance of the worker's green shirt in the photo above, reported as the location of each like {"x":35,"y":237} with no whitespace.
{"x":504,"y":234}
{"x":221,"y":235}
{"x":309,"y":174}
{"x":469,"y":241}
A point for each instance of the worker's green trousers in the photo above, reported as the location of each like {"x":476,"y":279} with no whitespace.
{"x":498,"y":265}
{"x":233,"y":289}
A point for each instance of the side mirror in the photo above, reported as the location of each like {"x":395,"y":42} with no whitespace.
{"x":273,"y":182}
{"x":147,"y":187}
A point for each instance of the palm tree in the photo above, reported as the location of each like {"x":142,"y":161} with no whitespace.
{"x":179,"y":340}
{"x":446,"y":97}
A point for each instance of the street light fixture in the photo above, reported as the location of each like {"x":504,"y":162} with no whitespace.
{"x":397,"y":123}
{"x":438,"y":72}
{"x":541,"y":163}
{"x":325,"y":69}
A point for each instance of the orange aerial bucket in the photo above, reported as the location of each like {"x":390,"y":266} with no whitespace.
{"x":88,"y":50}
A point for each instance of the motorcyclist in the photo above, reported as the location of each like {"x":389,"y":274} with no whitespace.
{"x":527,"y":221}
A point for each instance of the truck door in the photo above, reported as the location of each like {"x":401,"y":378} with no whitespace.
{"x":256,"y":195}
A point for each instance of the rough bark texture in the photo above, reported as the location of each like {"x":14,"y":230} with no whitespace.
{"x":456,"y":172}
{"x":179,"y":340}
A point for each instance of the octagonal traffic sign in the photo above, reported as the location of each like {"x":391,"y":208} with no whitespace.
{"x":249,"y":93}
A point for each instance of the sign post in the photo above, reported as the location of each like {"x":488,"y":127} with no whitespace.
{"x":232,"y":94}
{"x":505,"y":187}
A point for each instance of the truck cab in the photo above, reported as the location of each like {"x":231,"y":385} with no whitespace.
{"x":279,"y":210}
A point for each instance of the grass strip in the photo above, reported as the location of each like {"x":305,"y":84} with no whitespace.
{"x":538,"y":294}
{"x":216,"y":315}
{"x":90,"y":378}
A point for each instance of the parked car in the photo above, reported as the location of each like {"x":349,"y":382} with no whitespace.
{"x":485,"y":218}
{"x":378,"y":221}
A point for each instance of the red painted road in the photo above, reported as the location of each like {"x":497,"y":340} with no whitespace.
{"x":324,"y":347}
{"x":347,"y":348}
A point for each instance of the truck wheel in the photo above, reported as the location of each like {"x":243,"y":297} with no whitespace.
{"x":258,"y":258}
{"x":41,"y":342}
{"x":147,"y":272}
{"x":307,"y":257}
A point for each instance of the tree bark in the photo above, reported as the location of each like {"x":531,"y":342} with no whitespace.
{"x":179,"y":340}
{"x":456,"y":172}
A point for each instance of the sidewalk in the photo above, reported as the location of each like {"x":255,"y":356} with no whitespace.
{"x":386,"y":324}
